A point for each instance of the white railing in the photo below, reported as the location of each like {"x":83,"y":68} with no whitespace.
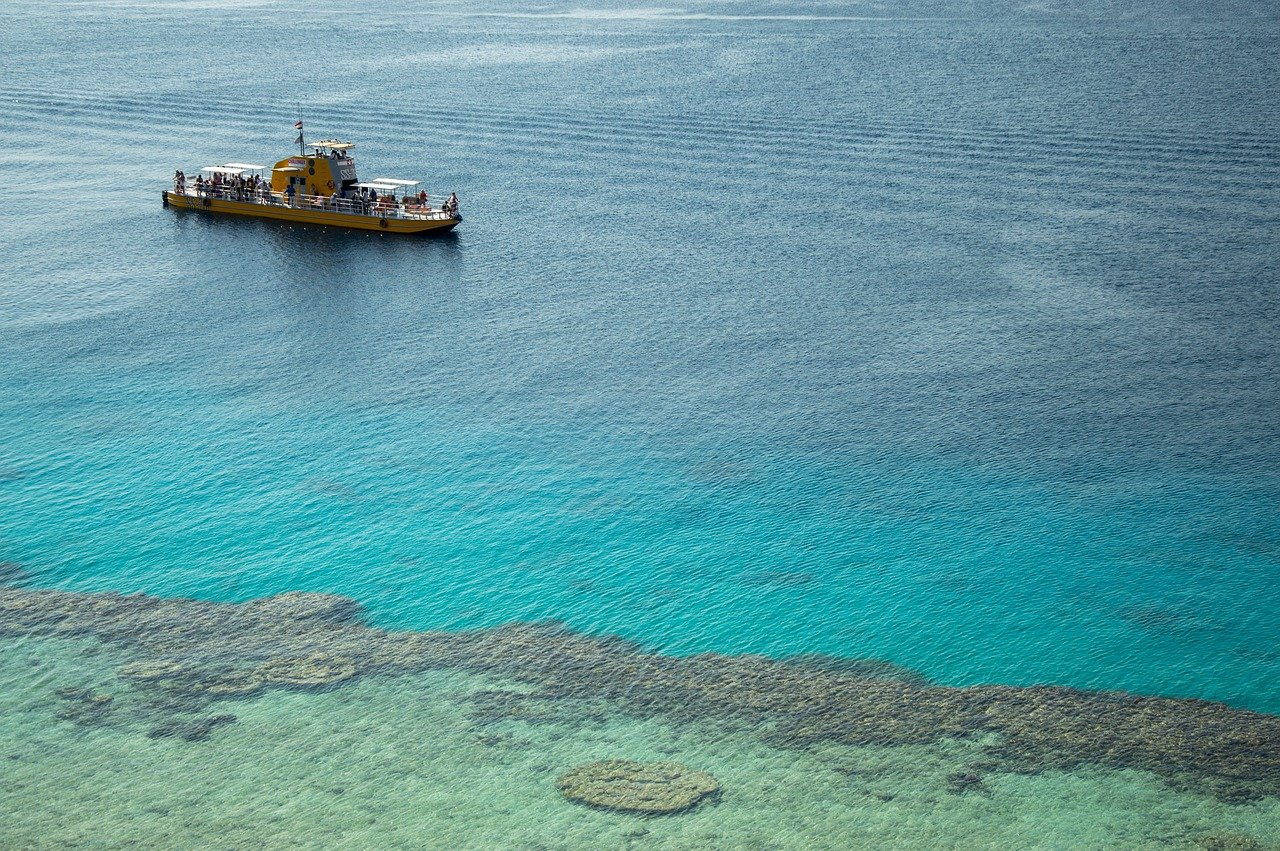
{"x":378,"y":209}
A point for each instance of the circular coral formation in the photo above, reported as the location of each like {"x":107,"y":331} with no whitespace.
{"x":150,"y":669}
{"x":651,"y":788}
{"x":314,"y":671}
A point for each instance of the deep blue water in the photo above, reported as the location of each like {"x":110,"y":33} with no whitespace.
{"x":949,"y":339}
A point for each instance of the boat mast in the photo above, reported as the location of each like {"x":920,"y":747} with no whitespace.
{"x":302,"y":148}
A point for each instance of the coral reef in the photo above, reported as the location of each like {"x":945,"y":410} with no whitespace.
{"x":649,"y":788}
{"x":223,"y":684}
{"x":318,"y":640}
{"x":150,"y":669}
{"x":313,"y":671}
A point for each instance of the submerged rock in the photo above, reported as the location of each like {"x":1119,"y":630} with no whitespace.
{"x":651,"y":788}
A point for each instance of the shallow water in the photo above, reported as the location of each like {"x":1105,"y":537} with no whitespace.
{"x":942,"y":335}
{"x":288,"y":721}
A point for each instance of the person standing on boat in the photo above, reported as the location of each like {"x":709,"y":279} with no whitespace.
{"x":289,"y":192}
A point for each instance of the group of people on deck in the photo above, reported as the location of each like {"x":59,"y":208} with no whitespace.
{"x":235,"y":187}
{"x":367,"y":201}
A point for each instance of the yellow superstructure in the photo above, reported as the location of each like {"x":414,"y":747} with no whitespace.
{"x":317,"y":187}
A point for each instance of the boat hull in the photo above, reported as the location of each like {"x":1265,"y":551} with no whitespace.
{"x":309,"y":216}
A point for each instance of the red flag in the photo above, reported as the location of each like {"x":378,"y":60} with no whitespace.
{"x":297,"y":125}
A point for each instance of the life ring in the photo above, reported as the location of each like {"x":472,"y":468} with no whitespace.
{"x":382,"y":223}
{"x":330,"y":185}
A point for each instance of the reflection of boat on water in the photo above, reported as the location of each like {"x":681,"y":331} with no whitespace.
{"x":318,"y":187}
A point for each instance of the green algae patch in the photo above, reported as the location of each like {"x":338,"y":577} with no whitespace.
{"x":648,"y":788}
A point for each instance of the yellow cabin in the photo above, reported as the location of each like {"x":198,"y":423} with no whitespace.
{"x":319,"y":187}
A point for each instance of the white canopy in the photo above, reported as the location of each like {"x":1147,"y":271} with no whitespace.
{"x":391,"y":181}
{"x":334,"y":144}
{"x":245,"y":166}
{"x":231,"y":168}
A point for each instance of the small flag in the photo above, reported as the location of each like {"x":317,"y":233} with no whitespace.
{"x":297,"y":125}
{"x":298,"y":141}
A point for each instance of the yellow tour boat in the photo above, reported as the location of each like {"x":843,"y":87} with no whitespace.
{"x":317,"y":187}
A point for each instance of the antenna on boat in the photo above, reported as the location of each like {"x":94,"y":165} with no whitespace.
{"x":297,"y":125}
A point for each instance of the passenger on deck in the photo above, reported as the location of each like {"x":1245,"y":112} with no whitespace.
{"x":290,"y":193}
{"x":451,"y":206}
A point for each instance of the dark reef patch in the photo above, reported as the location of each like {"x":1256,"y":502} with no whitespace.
{"x":779,"y":578}
{"x":12,"y":573}
{"x":189,"y":729}
{"x":83,"y":706}
{"x":303,"y":640}
{"x":1157,"y":618}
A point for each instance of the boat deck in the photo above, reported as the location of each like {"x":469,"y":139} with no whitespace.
{"x":358,"y":213}
{"x":318,"y":203}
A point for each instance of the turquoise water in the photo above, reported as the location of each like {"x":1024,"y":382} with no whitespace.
{"x":942,"y":334}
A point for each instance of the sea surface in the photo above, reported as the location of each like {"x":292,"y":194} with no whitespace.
{"x":944,"y":335}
